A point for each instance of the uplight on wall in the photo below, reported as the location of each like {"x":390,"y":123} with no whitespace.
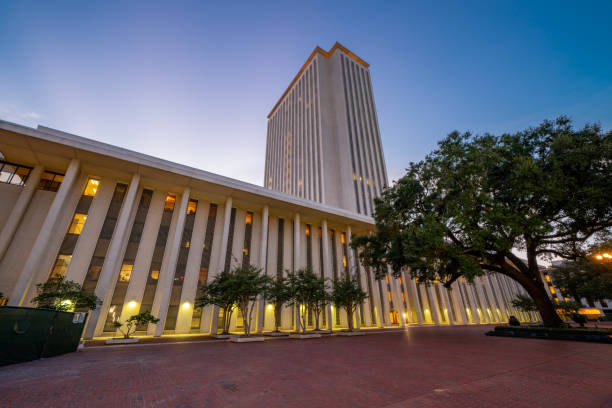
{"x":186,"y":305}
{"x":132,"y":304}
{"x":270,"y":307}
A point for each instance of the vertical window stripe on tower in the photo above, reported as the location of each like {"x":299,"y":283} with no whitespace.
{"x":280,"y":247}
{"x":97,"y":260}
{"x":181,"y":266}
{"x":158,"y":256}
{"x":308,"y":246}
{"x":125,"y":273}
{"x":62,"y":261}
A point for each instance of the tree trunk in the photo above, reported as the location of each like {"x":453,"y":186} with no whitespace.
{"x":349,"y":316}
{"x":540,"y":297}
{"x":277,"y":312}
{"x":245,"y":322}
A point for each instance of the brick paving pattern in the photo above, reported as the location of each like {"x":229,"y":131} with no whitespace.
{"x":422,"y":367}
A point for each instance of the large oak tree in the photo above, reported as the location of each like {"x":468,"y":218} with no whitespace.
{"x":471,"y":205}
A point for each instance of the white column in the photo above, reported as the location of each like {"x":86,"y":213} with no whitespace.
{"x":327,"y":269}
{"x":411,"y":284}
{"x":221,"y":259}
{"x":111,"y":266}
{"x":353,"y":269}
{"x":432,"y":299}
{"x":6,"y":236}
{"x":168,"y":276}
{"x":263,"y":250}
{"x":296,"y":262}
{"x":40,"y":245}
{"x":456,"y":298}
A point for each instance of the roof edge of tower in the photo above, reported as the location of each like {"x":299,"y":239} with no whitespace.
{"x":326,"y":54}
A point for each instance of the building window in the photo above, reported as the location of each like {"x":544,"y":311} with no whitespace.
{"x":248,"y":232}
{"x":16,"y":174}
{"x":61,"y":265}
{"x":91,"y":188}
{"x":125,"y":273}
{"x":280,"y":246}
{"x":308,"y":247}
{"x":78,"y":221}
{"x":50,"y":181}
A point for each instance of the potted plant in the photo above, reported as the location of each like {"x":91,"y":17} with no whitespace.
{"x":247,"y":283}
{"x":278,"y":294}
{"x":308,"y":293}
{"x":347,"y":294}
{"x":219,"y":292}
{"x":130,"y":327}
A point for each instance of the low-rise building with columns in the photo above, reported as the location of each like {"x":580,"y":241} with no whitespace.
{"x":144,"y":234}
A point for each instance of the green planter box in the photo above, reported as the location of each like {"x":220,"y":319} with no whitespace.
{"x":28,"y":333}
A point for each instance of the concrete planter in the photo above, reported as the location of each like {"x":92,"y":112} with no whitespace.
{"x":305,"y":336}
{"x":249,"y":339}
{"x":351,"y":333}
{"x":276,"y":334}
{"x":223,"y":336}
{"x":122,"y":340}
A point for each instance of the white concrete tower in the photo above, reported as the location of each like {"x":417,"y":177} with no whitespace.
{"x":323,"y":140}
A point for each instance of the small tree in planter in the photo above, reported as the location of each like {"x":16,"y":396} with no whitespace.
{"x":247,"y":283}
{"x":58,"y":294}
{"x":307,"y":292}
{"x":134,"y":321}
{"x":320,"y":299}
{"x":277,"y":293}
{"x":219,"y":293}
{"x":347,"y":294}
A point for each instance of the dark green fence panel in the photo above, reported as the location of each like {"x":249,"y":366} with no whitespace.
{"x":28,"y":333}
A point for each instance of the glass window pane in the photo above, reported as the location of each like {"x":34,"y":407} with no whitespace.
{"x":77,"y":224}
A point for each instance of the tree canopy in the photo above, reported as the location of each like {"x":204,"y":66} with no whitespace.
{"x":59,"y":294}
{"x":470,"y":205}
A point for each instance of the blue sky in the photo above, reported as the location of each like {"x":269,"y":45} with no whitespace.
{"x":193,"y":82}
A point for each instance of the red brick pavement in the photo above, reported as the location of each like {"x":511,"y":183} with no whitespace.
{"x":422,"y":367}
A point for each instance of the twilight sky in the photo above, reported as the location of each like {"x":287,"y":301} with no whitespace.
{"x":192,"y":82}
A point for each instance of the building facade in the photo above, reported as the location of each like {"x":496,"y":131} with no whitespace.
{"x":143,"y":233}
{"x":323,"y":140}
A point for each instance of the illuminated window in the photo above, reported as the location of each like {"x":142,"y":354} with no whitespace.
{"x":403,"y":297}
{"x":191,"y":207}
{"x":155,"y":274}
{"x":92,"y":187}
{"x":344,"y":261}
{"x":354,"y":176}
{"x":390,"y":297}
{"x":245,"y":251}
{"x":360,"y":178}
{"x":552,"y":290}
{"x":61,"y":265}
{"x":50,"y":181}
{"x":307,"y":230}
{"x":170,"y":201}
{"x":367,"y":181}
{"x":387,"y":278}
{"x":77,"y":224}
{"x":249,"y":218}
{"x":125,"y":273}
{"x":547,"y":278}
{"x":343,"y":238}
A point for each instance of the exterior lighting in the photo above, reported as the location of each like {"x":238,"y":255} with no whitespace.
{"x":404,"y":315}
{"x":270,"y":307}
{"x":132,"y":303}
{"x":66,"y":302}
{"x":186,"y":305}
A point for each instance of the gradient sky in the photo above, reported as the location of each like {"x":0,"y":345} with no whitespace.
{"x":193,"y":82}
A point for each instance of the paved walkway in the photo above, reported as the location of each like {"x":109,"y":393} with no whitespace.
{"x":422,"y":367}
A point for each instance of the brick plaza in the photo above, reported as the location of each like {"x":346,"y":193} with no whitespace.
{"x":421,"y":367}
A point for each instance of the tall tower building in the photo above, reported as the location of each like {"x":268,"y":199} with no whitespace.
{"x":323,"y":140}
